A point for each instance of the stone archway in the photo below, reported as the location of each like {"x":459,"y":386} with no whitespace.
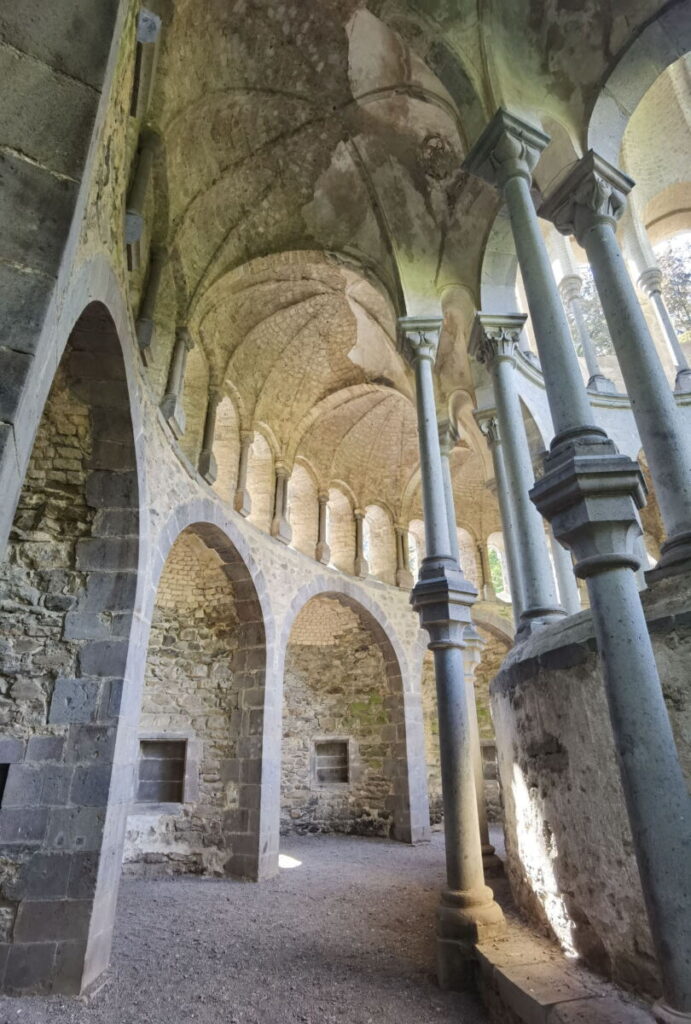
{"x":70,"y":579}
{"x":349,"y":706}
{"x":218,"y":661}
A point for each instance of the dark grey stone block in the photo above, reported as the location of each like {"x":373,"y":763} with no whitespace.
{"x":23,"y":825}
{"x":75,"y":828}
{"x":11,"y":749}
{"x":56,"y":786}
{"x":107,"y":489}
{"x":52,"y":920}
{"x":83,"y":873}
{"x":107,"y":553}
{"x":91,"y":743}
{"x":75,"y":700}
{"x":104,"y":658}
{"x":43,"y":876}
{"x":90,"y":786}
{"x":45,"y":748}
{"x":23,"y":787}
{"x":29,"y":966}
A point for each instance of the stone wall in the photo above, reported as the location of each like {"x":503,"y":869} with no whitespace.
{"x":336,"y":686}
{"x":569,"y":846}
{"x":190,"y":692}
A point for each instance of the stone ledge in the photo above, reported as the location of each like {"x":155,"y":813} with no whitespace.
{"x":523,"y":979}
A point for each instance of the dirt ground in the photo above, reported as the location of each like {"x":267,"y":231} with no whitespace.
{"x":344,"y":935}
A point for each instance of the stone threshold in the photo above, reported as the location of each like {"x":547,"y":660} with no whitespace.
{"x":524,"y":978}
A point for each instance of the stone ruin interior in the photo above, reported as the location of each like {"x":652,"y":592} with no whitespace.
{"x":345,"y":461}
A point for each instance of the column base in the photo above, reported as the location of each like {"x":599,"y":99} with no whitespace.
{"x":145,"y":330}
{"x":280,"y":529}
{"x":361,"y":568}
{"x":175,"y":415}
{"x":602,"y":385}
{"x":242,"y":503}
{"x":664,"y":1014}
{"x":535,"y":620}
{"x":464,"y":919}
{"x":207,"y":466}
{"x":682,"y":384}
{"x":675,"y":559}
{"x":492,"y":865}
{"x":322,"y":553}
{"x":404,"y":579}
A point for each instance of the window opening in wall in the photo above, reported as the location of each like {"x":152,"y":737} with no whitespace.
{"x":331,"y":762}
{"x":4,"y":768}
{"x":161,"y":771}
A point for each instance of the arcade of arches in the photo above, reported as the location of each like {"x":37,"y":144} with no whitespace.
{"x":345,"y":454}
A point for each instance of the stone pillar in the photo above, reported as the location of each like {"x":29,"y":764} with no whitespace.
{"x":148,"y":36}
{"x":404,"y":577}
{"x":447,"y":439}
{"x":493,"y":342}
{"x":471,"y":659}
{"x":136,"y":197}
{"x":360,"y":568}
{"x":486,"y":572}
{"x":443,"y":597}
{"x":490,"y":428}
{"x":650,"y":283}
{"x":322,"y":552}
{"x":145,"y":326}
{"x":207,"y":461}
{"x":590,"y":494}
{"x":566,"y":581}
{"x":588,"y":203}
{"x":172,"y":404}
{"x":242,"y":502}
{"x":280,"y":527}
{"x":570,"y":289}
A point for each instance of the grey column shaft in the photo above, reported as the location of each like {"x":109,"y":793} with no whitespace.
{"x":568,"y":403}
{"x":450,"y":509}
{"x":241,"y":500}
{"x":432,"y":473}
{"x":207,"y":461}
{"x":576,"y":304}
{"x":178,"y":365}
{"x":145,"y":320}
{"x":508,"y":527}
{"x":566,"y":580}
{"x":665,"y":441}
{"x":361,"y":568}
{"x":322,"y":553}
{"x":136,"y":198}
{"x":670,"y":334}
{"x":655,"y":790}
{"x":539,"y":597}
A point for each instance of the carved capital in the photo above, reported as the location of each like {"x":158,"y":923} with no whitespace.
{"x":182,"y":334}
{"x":448,"y":436}
{"x":509,"y":147}
{"x":495,"y":337}
{"x":570,"y":287}
{"x":650,"y":281}
{"x":490,"y":428}
{"x":420,"y":337}
{"x":593,"y":192}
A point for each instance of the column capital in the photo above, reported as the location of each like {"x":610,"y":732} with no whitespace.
{"x":494,"y":337}
{"x":486,"y":420}
{"x":508,"y":147}
{"x":571,"y":287}
{"x":215,"y":396}
{"x":182,"y":334}
{"x":593,"y":192}
{"x":448,"y":436}
{"x":421,"y":336}
{"x":358,"y":513}
{"x":650,"y":281}
{"x":323,"y":498}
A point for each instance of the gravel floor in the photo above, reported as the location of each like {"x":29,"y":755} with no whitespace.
{"x":345,"y":935}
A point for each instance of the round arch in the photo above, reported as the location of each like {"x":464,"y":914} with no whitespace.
{"x":410,"y":806}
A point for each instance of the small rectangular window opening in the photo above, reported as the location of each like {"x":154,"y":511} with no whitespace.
{"x":4,"y":768}
{"x":331,"y":762}
{"x":161,"y":771}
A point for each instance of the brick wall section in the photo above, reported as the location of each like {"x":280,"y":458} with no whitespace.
{"x":190,"y":690}
{"x":336,"y":685}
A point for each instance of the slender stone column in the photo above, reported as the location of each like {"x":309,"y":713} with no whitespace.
{"x":207,"y":461}
{"x":404,"y":577}
{"x":443,"y":598}
{"x":471,"y":659}
{"x":493,"y":342}
{"x":566,"y":581}
{"x":280,"y":527}
{"x":588,"y":203}
{"x":322,"y":552}
{"x":145,"y":326}
{"x":136,"y":198}
{"x":448,"y":436}
{"x":637,"y":247}
{"x":650,"y":283}
{"x":486,"y":571}
{"x":172,"y":404}
{"x":590,"y":494}
{"x":570,"y":289}
{"x":490,"y":428}
{"x":242,"y":502}
{"x":360,"y":568}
